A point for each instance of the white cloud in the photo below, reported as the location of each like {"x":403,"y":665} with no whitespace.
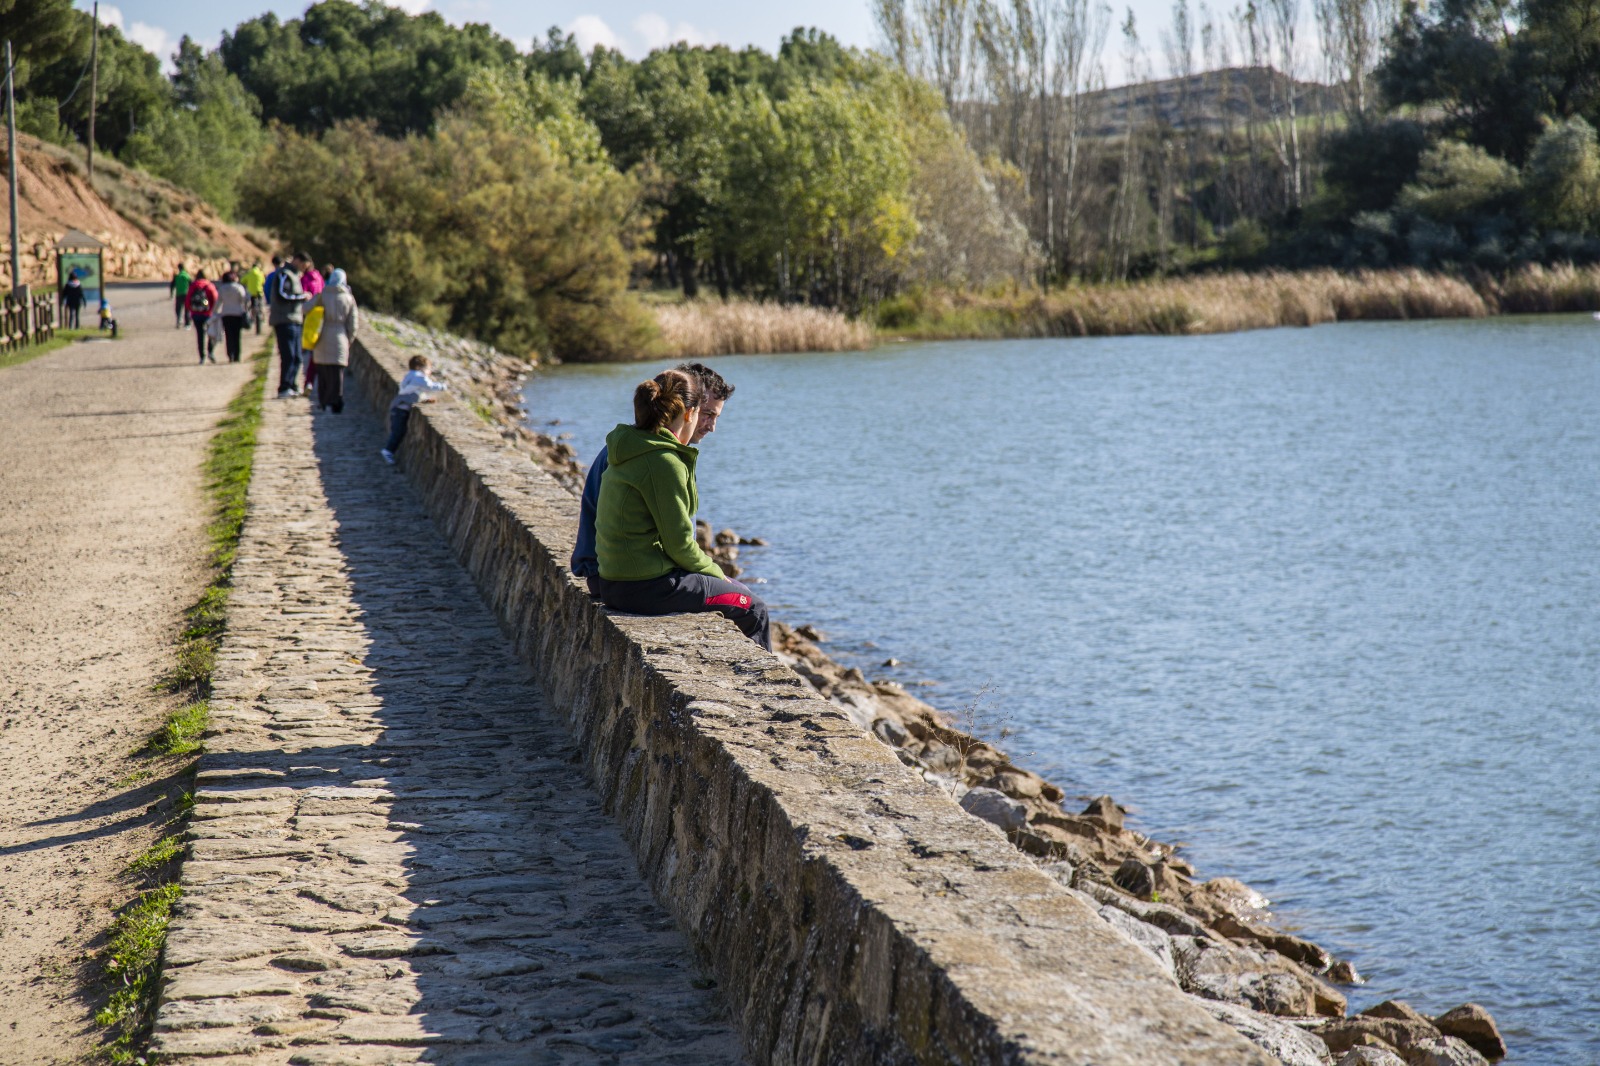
{"x":655,"y":32}
{"x":412,"y":7}
{"x":156,"y":40}
{"x":591,"y":31}
{"x":650,"y":31}
{"x":111,"y":16}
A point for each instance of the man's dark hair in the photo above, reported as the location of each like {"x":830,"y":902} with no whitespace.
{"x":711,"y":382}
{"x":303,"y":257}
{"x":277,"y":260}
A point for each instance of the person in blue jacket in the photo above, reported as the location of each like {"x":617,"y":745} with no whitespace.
{"x":585,"y":562}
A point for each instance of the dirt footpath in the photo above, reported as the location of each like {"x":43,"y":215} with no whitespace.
{"x":102,"y":546}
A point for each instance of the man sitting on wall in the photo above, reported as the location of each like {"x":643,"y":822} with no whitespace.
{"x":585,"y":561}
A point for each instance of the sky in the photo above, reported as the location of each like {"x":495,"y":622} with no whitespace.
{"x":634,"y":27}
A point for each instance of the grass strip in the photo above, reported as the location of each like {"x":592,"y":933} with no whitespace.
{"x":62,"y":338}
{"x":132,"y":962}
{"x":228,"y":463}
{"x":132,"y":958}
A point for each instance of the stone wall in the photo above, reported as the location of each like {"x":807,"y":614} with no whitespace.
{"x":125,"y":260}
{"x":851,"y":911}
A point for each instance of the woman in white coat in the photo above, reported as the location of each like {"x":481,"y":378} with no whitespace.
{"x":340,"y":319}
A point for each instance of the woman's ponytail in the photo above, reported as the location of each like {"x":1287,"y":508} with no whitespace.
{"x":662,"y":399}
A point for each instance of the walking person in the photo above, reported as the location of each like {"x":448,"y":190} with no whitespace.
{"x":340,"y":320}
{"x":286,"y":312}
{"x":644,"y":525}
{"x":233,"y":304}
{"x":311,"y":281}
{"x":202,"y":303}
{"x":178,"y":288}
{"x":72,"y":300}
{"x":254,"y":283}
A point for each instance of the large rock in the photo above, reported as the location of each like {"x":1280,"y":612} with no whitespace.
{"x":1443,"y":1051}
{"x":1473,"y":1025}
{"x":1370,"y":1056}
{"x":1136,"y":878}
{"x":1252,"y":977}
{"x":1397,"y":1009}
{"x":1106,"y":810}
{"x":1397,"y":1034}
{"x":1153,"y":940}
{"x":1161,"y":915}
{"x":1287,"y":1043}
{"x":1289,"y":946}
{"x":995,"y":807}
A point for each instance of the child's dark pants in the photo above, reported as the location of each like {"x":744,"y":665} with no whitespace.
{"x":398,"y":419}
{"x":684,"y":593}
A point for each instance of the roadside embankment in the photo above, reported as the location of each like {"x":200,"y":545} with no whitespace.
{"x":147,"y":225}
{"x":851,"y":910}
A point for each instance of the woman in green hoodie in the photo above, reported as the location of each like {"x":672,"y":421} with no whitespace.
{"x":644,"y":522}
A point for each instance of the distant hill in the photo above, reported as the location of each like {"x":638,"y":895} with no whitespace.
{"x":1216,"y":98}
{"x":149,"y":225}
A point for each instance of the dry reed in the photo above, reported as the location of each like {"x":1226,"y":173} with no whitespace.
{"x":1200,"y":303}
{"x":1222,"y":303}
{"x":744,"y":327}
{"x":1542,"y":289}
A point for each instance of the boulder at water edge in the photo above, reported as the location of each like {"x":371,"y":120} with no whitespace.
{"x":1474,"y":1025}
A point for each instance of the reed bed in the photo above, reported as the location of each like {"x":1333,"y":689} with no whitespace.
{"x":1537,"y":289}
{"x":1218,"y":303}
{"x":746,"y":327}
{"x":1201,"y":303}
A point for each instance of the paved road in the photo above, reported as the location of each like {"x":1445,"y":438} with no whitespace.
{"x":397,"y":856}
{"x":102,"y":546}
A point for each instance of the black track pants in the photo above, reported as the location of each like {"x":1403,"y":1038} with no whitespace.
{"x":685,"y":593}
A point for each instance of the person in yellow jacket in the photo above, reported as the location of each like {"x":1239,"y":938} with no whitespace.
{"x":255,"y":285}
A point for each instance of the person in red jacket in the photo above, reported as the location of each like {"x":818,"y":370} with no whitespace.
{"x":202,"y":305}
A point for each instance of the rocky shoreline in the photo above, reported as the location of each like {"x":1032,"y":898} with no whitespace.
{"x":1214,"y":937}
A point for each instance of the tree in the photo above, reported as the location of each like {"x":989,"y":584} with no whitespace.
{"x":209,"y":138}
{"x":54,"y":101}
{"x":342,"y":61}
{"x":1456,"y":182}
{"x":1562,"y":178}
{"x":506,"y":222}
{"x":40,"y":31}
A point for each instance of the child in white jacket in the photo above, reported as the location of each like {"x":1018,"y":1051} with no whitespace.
{"x":416,"y":387}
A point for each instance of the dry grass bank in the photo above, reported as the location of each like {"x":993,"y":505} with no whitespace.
{"x":1537,"y":289}
{"x":745,"y":327}
{"x":1209,"y":303}
{"x":1206,"y":303}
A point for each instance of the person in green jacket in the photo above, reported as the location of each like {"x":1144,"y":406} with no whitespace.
{"x":644,"y":521}
{"x":178,"y":287}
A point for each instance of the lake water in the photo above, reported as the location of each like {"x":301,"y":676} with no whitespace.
{"x":1324,"y":604}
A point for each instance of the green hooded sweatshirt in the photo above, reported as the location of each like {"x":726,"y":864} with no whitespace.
{"x":644,"y":522}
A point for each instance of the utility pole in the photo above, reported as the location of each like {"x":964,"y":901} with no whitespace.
{"x":94,"y":82}
{"x":11,"y":158}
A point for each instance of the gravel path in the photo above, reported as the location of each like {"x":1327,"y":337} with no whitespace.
{"x":102,"y":546}
{"x":397,"y":857}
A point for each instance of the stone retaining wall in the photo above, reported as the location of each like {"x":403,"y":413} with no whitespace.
{"x":851,"y":911}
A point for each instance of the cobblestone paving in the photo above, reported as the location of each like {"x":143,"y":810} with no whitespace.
{"x":396,"y":857}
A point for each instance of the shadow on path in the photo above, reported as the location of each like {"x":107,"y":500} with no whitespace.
{"x":400,"y":832}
